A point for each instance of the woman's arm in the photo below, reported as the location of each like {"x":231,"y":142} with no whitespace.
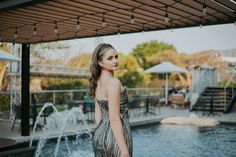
{"x":98,"y":113}
{"x":113,"y":94}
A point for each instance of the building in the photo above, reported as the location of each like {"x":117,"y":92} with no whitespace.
{"x":228,"y":55}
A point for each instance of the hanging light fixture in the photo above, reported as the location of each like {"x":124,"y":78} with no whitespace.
{"x":143,"y":29}
{"x":235,"y":19}
{"x":78,"y":23}
{"x":16,"y":33}
{"x":35,"y":29}
{"x":132,"y":19}
{"x":171,"y":26}
{"x":76,"y":34}
{"x":166,"y":15}
{"x":118,"y":32}
{"x":200,"y":22}
{"x":55,"y":27}
{"x":204,"y":8}
{"x":103,"y":20}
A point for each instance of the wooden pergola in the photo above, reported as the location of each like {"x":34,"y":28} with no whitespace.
{"x":36,"y":21}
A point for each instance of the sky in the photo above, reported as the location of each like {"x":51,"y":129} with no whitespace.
{"x":185,"y":40}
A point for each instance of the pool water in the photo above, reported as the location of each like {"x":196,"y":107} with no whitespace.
{"x":185,"y":141}
{"x":165,"y":141}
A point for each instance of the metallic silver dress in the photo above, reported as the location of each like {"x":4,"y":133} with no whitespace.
{"x":104,"y":143}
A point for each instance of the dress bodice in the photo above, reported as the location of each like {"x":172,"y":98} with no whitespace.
{"x":104,"y":106}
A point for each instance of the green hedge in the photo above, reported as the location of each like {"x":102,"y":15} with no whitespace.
{"x":223,"y":83}
{"x":4,"y":103}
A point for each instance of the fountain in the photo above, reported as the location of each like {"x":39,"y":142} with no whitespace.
{"x":61,"y":125}
{"x":3,"y":116}
{"x":191,"y":120}
{"x":46,"y":105}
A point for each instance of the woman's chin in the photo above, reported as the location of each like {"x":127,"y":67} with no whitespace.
{"x":116,"y":68}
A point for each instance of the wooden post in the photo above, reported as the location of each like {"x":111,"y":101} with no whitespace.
{"x":25,"y":90}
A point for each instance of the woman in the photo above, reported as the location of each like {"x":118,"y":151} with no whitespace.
{"x":112,"y":136}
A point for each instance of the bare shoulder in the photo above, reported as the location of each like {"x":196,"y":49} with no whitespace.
{"x":114,"y":84}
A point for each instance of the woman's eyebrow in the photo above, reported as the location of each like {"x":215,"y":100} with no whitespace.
{"x":111,"y":56}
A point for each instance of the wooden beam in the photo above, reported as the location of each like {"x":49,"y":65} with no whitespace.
{"x":13,"y":4}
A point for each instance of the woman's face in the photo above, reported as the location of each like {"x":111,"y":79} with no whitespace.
{"x":110,"y":60}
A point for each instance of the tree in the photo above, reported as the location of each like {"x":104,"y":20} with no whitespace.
{"x":130,"y":73}
{"x":61,"y":84}
{"x":3,"y":69}
{"x":147,"y":49}
{"x":83,"y":60}
{"x":131,"y":79}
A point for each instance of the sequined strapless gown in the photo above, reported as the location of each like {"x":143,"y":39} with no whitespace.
{"x":103,"y":140}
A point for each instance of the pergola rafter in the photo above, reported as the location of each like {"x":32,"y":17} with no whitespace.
{"x":26,"y":16}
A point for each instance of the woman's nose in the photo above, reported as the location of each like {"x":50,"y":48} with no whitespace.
{"x":116,"y":61}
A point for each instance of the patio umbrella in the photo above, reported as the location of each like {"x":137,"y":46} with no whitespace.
{"x":165,"y":68}
{"x":4,"y":56}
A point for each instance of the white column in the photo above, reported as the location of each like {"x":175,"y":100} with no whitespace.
{"x":166,"y":86}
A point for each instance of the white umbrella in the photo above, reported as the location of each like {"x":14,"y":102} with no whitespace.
{"x":4,"y":56}
{"x":165,"y":68}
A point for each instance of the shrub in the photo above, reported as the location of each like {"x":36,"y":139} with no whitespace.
{"x":4,"y":103}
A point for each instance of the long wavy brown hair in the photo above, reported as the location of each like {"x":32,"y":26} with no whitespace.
{"x":95,"y":68}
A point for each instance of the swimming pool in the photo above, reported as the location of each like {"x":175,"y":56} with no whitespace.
{"x":165,"y":140}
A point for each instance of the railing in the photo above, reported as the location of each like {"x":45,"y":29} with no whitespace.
{"x":63,"y":98}
{"x":72,"y":96}
{"x":79,"y":94}
{"x":52,"y":95}
{"x":59,"y":95}
{"x":196,"y":82}
{"x":225,"y":91}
